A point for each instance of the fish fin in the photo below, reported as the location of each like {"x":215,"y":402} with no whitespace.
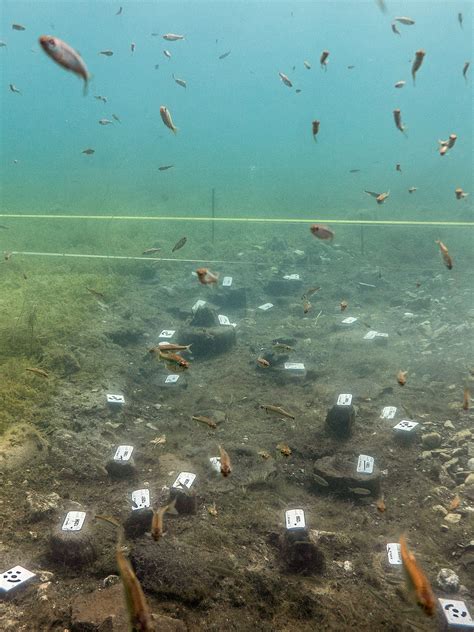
{"x":372,"y":193}
{"x":171,"y":508}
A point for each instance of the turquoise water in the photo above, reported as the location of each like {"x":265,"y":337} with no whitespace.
{"x":241,"y":130}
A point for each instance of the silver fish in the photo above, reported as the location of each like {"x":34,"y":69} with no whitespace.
{"x":224,"y":55}
{"x":167,"y":120}
{"x":172,"y":37}
{"x":400,"y":84}
{"x":2,"y":44}
{"x":65,"y":56}
{"x":285,"y":80}
{"x":119,"y":11}
{"x":394,"y":29}
{"x":106,"y":53}
{"x":307,"y":65}
{"x":100,"y":98}
{"x":166,"y":53}
{"x":180,"y":82}
{"x":89,"y":151}
{"x":13,"y":88}
{"x":360,"y":491}
{"x":320,"y":480}
{"x":405,"y":20}
{"x":116,"y":118}
{"x":105,"y":121}
{"x":18,"y":27}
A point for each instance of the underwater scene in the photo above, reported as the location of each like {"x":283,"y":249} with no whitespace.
{"x":236,"y":316}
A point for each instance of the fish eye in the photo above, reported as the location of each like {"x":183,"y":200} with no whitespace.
{"x":51,"y":42}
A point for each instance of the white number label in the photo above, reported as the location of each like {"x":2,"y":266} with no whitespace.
{"x":223,"y":320}
{"x":197,"y":305}
{"x":123,"y":453}
{"x":294,"y":366}
{"x":167,"y":333}
{"x":74,"y":521}
{"x":349,"y":320}
{"x":115,"y":399}
{"x":14,"y":577}
{"x":185,"y":479}
{"x":344,"y":399}
{"x":393,"y":553}
{"x":227,"y":281}
{"x":171,"y":379}
{"x":406,"y":425}
{"x":388,"y":412}
{"x":215,"y":463}
{"x":294,"y":519}
{"x":265,"y":306}
{"x":365,"y":464}
{"x":380,"y":335}
{"x":140,"y":499}
{"x":457,"y":613}
{"x":370,"y":335}
{"x":292,"y":277}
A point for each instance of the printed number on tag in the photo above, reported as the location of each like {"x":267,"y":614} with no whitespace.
{"x":223,"y":320}
{"x":294,"y":366}
{"x":185,"y":479}
{"x":171,"y":379}
{"x":140,"y":499}
{"x":115,"y":399}
{"x":456,"y":612}
{"x":74,"y":521}
{"x":388,"y":412}
{"x":14,"y":577}
{"x":167,"y":333}
{"x":227,"y":281}
{"x":294,"y":519}
{"x":266,"y":306}
{"x":349,"y":320}
{"x":215,"y":462}
{"x":365,"y":464}
{"x":370,"y":335}
{"x":393,"y":553}
{"x":406,"y":425}
{"x":123,"y":453}
{"x":292,"y":277}
{"x":197,"y":305}
{"x":345,"y":399}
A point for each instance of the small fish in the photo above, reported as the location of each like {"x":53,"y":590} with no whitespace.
{"x":172,"y":37}
{"x":2,"y":44}
{"x":106,"y":53}
{"x":224,"y":55}
{"x":398,"y":167}
{"x":315,"y":129}
{"x":3,"y":227}
{"x":96,"y":293}
{"x":165,"y":167}
{"x":157,"y":520}
{"x":350,"y":67}
{"x":264,"y":364}
{"x":405,"y":20}
{"x":310,"y":292}
{"x":307,"y":65}
{"x":465,"y":69}
{"x":379,"y":197}
{"x":132,"y":47}
{"x":284,"y":449}
{"x":119,"y":11}
{"x":204,"y":420}
{"x":18,"y":27}
{"x":395,"y":29}
{"x":116,"y":118}
{"x":170,"y":346}
{"x":206,"y":277}
{"x":448,"y":262}
{"x":460,"y":19}
{"x":397,"y":117}
{"x":417,"y":579}
{"x":321,"y":232}
{"x":105,"y":121}
{"x":412,"y":189}
{"x":460,"y":194}
{"x":306,"y":306}
{"x":276,"y":410}
{"x":285,"y":79}
{"x":167,"y":120}
{"x":101,"y":98}
{"x":343,"y":305}
{"x":173,"y":360}
{"x":319,"y":480}
{"x":7,"y":255}
{"x":360,"y":491}
{"x":65,"y":56}
{"x":354,"y":170}
{"x":466,"y":399}
{"x":323,"y":60}
{"x":39,"y":372}
{"x":151,"y":251}
{"x":419,"y":56}
{"x":444,"y":145}
{"x":400,"y":84}
{"x":180,"y":82}
{"x":279,"y":347}
{"x":402,"y":377}
{"x":166,"y":53}
{"x":226,"y":467}
{"x":157,"y":66}
{"x":13,"y":88}
{"x":179,"y":244}
{"x":88,"y":151}
{"x":380,"y":504}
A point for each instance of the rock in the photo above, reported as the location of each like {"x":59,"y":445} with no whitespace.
{"x":138,"y":522}
{"x":341,"y":477}
{"x":40,"y":505}
{"x":431,"y":440}
{"x":440,"y":509}
{"x":300,"y":552}
{"x":119,"y":470}
{"x":340,"y":420}
{"x":449,"y":425}
{"x":210,"y":341}
{"x":72,"y":548}
{"x":110,"y":580}
{"x":452,"y":518}
{"x":462,"y":436}
{"x":469,"y":482}
{"x":470,"y":465}
{"x":447,"y":580}
{"x":204,"y":316}
{"x":470,"y":449}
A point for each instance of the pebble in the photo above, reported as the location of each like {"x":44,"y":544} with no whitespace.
{"x":449,"y":425}
{"x":469,"y":480}
{"x":110,"y":580}
{"x":470,"y":465}
{"x":440,"y":509}
{"x":431,"y":440}
{"x":447,"y":580}
{"x":452,"y":518}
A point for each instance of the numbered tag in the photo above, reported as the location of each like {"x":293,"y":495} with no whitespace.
{"x":226,"y":281}
{"x":115,"y":399}
{"x":294,"y":366}
{"x":14,"y":577}
{"x":215,"y":462}
{"x":388,"y":412}
{"x":172,"y":378}
{"x":167,"y":333}
{"x":73,"y":521}
{"x":393,"y":553}
{"x":370,"y":335}
{"x":292,"y":277}
{"x":265,"y":307}
{"x":344,"y":399}
{"x":197,"y":305}
{"x":294,"y":519}
{"x":223,"y":320}
{"x":365,"y":464}
{"x":406,"y":425}
{"x":457,"y":614}
{"x":381,"y":335}
{"x":349,"y":320}
{"x":186,"y":479}
{"x":123,"y":453}
{"x":140,"y":499}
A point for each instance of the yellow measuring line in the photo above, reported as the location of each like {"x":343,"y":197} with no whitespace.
{"x":263,"y":220}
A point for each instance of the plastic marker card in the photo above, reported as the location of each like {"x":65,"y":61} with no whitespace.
{"x":381,"y":335}
{"x":14,"y":577}
{"x":406,"y":425}
{"x":167,"y":333}
{"x":215,"y":462}
{"x":73,"y":521}
{"x":294,"y":519}
{"x":172,"y":378}
{"x":388,"y":412}
{"x":185,"y":479}
{"x":370,"y":335}
{"x":365,"y":464}
{"x":197,"y":305}
{"x":265,"y":306}
{"x":457,"y":614}
{"x":223,"y":320}
{"x":292,"y":277}
{"x":294,"y":366}
{"x":123,"y":453}
{"x":227,"y":281}
{"x":349,"y":320}
{"x":344,"y":399}
{"x":115,"y":399}
{"x":393,"y":553}
{"x":140,"y":499}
